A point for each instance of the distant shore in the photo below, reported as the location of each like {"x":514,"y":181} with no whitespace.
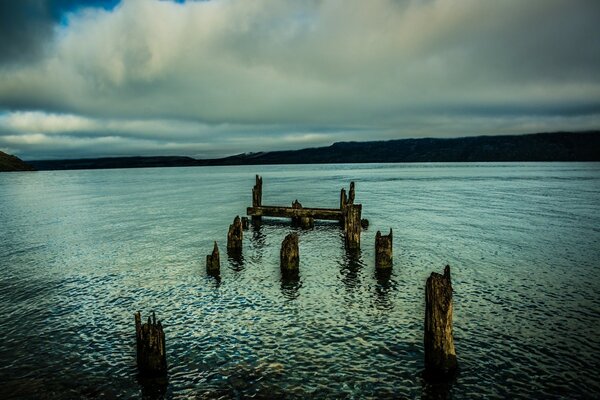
{"x":556,"y":146}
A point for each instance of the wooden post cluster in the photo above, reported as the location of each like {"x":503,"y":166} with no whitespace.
{"x":289,"y":255}
{"x":383,"y":250}
{"x":257,"y":196}
{"x":150,"y":339}
{"x":440,"y":355}
{"x":213,"y":263}
{"x":235,"y":235}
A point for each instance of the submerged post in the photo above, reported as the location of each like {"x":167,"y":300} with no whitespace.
{"x":150,"y":340}
{"x":213,"y":263}
{"x":440,"y":355}
{"x":383,"y":250}
{"x":289,"y":255}
{"x":235,"y":235}
{"x":257,"y":196}
{"x":352,"y":225}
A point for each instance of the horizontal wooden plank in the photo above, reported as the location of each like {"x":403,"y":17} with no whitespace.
{"x":334,"y":214}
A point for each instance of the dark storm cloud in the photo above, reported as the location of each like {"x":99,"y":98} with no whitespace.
{"x":26,"y":26}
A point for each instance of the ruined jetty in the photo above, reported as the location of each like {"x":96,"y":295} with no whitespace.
{"x":348,"y":214}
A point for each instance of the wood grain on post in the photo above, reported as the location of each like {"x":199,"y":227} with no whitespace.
{"x":235,"y":235}
{"x":440,"y":355}
{"x":150,"y":340}
{"x":213,"y":262}
{"x":343,"y":199}
{"x":352,"y":226}
{"x":289,"y":255}
{"x":383,"y":250}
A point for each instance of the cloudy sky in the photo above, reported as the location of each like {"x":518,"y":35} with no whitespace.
{"x":212,"y":78}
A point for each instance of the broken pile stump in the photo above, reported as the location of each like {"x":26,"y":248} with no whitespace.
{"x":150,"y":340}
{"x":352,"y":226}
{"x":440,"y":355}
{"x":383,"y":250}
{"x":257,"y":197}
{"x":213,"y":263}
{"x":289,"y":255}
{"x":235,"y":235}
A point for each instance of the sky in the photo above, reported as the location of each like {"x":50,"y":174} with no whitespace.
{"x":220,"y":77}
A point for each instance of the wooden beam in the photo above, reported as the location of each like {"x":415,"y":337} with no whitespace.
{"x":333,"y":214}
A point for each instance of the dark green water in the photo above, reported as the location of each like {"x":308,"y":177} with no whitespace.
{"x":81,"y":251}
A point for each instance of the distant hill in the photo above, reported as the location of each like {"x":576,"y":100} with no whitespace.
{"x":558,"y":146}
{"x":10,"y":163}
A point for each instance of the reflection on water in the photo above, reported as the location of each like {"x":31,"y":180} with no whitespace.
{"x":153,"y":388}
{"x":351,"y":268}
{"x":236,"y":259}
{"x":438,"y":390}
{"x":384,"y":288}
{"x":81,"y":251}
{"x":290,"y":287}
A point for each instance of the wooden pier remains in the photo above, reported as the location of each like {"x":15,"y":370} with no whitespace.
{"x":348,"y":214}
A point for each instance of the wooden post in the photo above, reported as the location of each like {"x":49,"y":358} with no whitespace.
{"x":257,"y":192}
{"x":351,"y":193}
{"x":213,"y":263}
{"x":150,"y":340}
{"x":257,"y":197}
{"x":307,"y":222}
{"x":343,"y":199}
{"x":289,"y":255}
{"x":235,"y":235}
{"x":296,"y":220}
{"x":352,"y":225}
{"x":383,"y":250}
{"x":440,"y":356}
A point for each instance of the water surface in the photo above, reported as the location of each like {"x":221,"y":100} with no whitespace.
{"x":81,"y":251}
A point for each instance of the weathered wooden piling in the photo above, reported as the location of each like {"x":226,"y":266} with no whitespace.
{"x":213,"y":262}
{"x":383,"y":250}
{"x":351,"y":193}
{"x":440,"y":355}
{"x":343,"y":199}
{"x":150,"y":340}
{"x":289,"y":255}
{"x":235,"y":234}
{"x":352,"y":225}
{"x":257,"y":197}
{"x":245,"y":223}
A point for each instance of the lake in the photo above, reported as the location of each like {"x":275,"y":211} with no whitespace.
{"x":81,"y":251}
